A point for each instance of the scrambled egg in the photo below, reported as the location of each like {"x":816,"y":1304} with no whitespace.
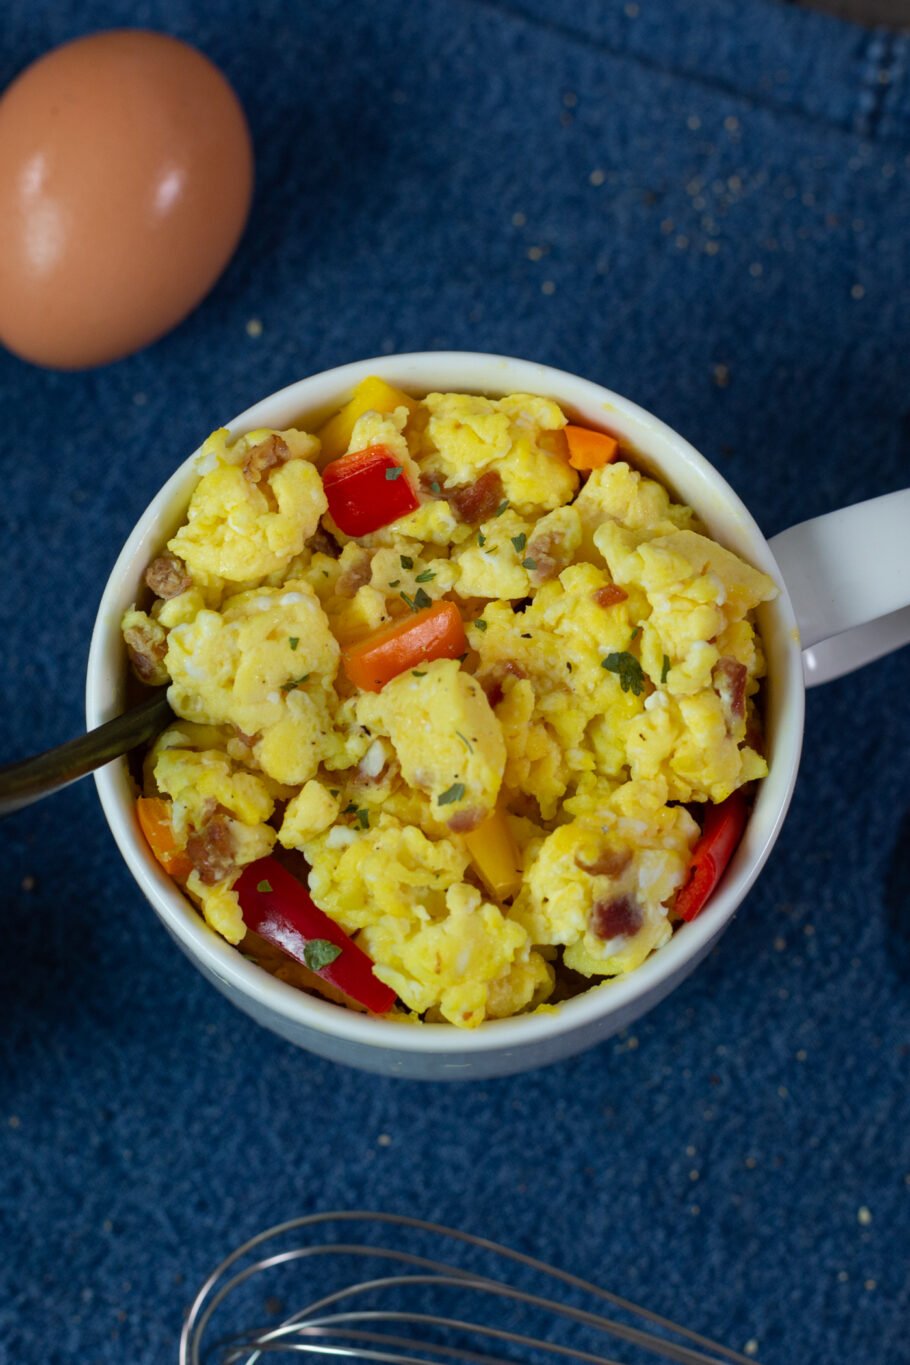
{"x":609,"y":686}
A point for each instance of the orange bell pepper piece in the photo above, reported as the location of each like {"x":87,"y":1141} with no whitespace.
{"x":493,"y":853}
{"x":437,"y":632}
{"x":590,"y":449}
{"x":155,"y":821}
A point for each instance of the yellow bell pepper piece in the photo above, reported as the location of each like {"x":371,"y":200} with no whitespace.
{"x":495,"y":856}
{"x":371,"y":395}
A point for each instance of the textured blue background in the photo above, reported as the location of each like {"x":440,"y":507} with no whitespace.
{"x":703,"y":204}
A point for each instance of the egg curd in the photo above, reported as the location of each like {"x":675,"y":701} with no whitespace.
{"x":495,"y":830}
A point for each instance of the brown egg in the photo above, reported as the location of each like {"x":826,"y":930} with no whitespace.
{"x":126,"y":171}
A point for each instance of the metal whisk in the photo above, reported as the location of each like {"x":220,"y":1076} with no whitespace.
{"x":414,"y":1318}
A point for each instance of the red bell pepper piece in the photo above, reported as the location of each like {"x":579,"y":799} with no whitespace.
{"x":367,"y":489}
{"x":278,"y":907}
{"x":724,"y":824}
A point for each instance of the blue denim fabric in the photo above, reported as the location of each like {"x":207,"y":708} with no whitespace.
{"x":704,"y":205}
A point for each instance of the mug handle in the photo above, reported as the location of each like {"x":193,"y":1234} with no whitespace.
{"x":848,"y":575}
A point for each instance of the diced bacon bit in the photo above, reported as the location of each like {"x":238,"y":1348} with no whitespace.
{"x":322,"y":542}
{"x":265,"y":456}
{"x":610,"y":595}
{"x":211,"y":849}
{"x":477,"y":501}
{"x":355,"y":577}
{"x":146,"y":651}
{"x":549,"y":554}
{"x":619,"y":918}
{"x":167,"y":576}
{"x":729,"y":678}
{"x":431,"y":482}
{"x":463,"y":821}
{"x":492,"y":683}
{"x":610,"y":862}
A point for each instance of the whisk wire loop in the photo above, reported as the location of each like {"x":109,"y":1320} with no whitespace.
{"x":337,"y":1332}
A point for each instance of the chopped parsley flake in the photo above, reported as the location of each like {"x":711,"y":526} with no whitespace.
{"x":434,"y":486}
{"x":526,"y":636}
{"x":293,"y":641}
{"x":465,"y":741}
{"x":421,"y":599}
{"x":410,"y":601}
{"x":501,"y":508}
{"x":418,"y":673}
{"x":425,"y":576}
{"x":350,"y":808}
{"x":394,"y":472}
{"x":665,"y":670}
{"x":520,"y":541}
{"x":319,"y":953}
{"x":636,"y":631}
{"x":394,"y":583}
{"x":529,"y":563}
{"x":454,"y":793}
{"x":294,"y":682}
{"x":333,"y":791}
{"x":481,"y":538}
{"x":406,"y":561}
{"x":363,"y":818}
{"x":263,"y":886}
{"x":629,"y":671}
{"x":480,"y":624}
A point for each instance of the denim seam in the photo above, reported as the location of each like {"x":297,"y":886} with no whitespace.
{"x":869,"y":122}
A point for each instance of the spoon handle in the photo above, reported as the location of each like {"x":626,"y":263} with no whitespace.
{"x":33,"y":778}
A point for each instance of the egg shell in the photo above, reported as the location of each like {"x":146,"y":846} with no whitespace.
{"x":126,"y":172}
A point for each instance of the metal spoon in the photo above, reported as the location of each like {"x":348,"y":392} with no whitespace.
{"x":33,"y":778}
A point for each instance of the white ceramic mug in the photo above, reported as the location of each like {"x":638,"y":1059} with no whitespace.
{"x":844,"y":600}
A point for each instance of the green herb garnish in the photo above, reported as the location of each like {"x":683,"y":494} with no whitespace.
{"x":422,"y":599}
{"x":394,"y":472}
{"x":529,"y":563}
{"x":480,"y":624}
{"x":294,"y":682}
{"x":363,"y":818}
{"x":406,"y":561}
{"x":418,"y":673}
{"x":665,"y":670}
{"x":333,"y":791}
{"x":319,"y":953}
{"x":263,"y":886}
{"x":293,"y":641}
{"x":520,"y":541}
{"x":350,"y":808}
{"x":636,"y":631}
{"x":465,"y":741}
{"x":454,"y":793}
{"x":394,"y":583}
{"x":501,"y":508}
{"x":410,"y":601}
{"x":629,"y":671}
{"x":425,"y":576}
{"x":434,"y":486}
{"x":481,"y":538}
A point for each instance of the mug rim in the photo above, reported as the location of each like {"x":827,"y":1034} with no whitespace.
{"x":214,"y":955}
